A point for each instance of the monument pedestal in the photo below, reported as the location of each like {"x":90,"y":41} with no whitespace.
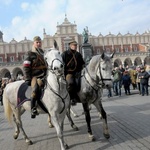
{"x":87,"y":51}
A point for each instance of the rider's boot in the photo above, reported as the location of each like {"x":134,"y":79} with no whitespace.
{"x":34,"y":111}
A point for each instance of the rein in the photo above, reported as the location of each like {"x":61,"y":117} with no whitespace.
{"x":98,"y":85}
{"x":50,"y":68}
{"x":55,"y":92}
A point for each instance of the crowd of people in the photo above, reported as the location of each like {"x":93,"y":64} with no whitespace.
{"x":135,"y":77}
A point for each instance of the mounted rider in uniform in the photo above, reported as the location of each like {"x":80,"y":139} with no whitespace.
{"x":73,"y":64}
{"x":35,"y":68}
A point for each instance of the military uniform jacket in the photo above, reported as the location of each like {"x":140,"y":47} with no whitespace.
{"x":34,"y":64}
{"x":73,"y":61}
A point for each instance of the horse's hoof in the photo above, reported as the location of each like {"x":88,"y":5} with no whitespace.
{"x":15,"y":137}
{"x":91,"y":137}
{"x":29,"y":142}
{"x":75,"y":128}
{"x":66,"y":146}
{"x":107,"y":136}
{"x":51,"y":126}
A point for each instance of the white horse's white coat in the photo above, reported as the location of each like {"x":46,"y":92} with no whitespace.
{"x":56,"y":98}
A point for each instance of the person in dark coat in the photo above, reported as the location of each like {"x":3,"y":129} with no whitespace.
{"x":73,"y":64}
{"x":126,"y":81}
{"x":35,"y":67}
{"x":144,"y":77}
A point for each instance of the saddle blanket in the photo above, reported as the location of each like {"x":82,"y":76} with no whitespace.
{"x":24,"y":94}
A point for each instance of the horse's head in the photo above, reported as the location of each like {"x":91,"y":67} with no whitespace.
{"x":105,"y":70}
{"x":100,"y":68}
{"x":54,"y":60}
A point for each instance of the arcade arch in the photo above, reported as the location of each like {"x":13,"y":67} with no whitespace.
{"x":147,"y":60}
{"x":5,"y":73}
{"x":117,"y":62}
{"x":127,"y":62}
{"x":15,"y":73}
{"x":137,"y":61}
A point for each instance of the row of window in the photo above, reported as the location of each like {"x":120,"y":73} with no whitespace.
{"x":126,"y":49}
{"x":11,"y":59}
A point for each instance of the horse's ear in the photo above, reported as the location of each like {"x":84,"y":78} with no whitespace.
{"x":103,"y":55}
{"x":112,"y":55}
{"x":55,"y":44}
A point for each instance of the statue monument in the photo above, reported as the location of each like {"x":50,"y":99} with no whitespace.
{"x":86,"y":48}
{"x":85,"y":35}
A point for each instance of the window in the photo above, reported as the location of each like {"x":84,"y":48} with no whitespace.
{"x":126,"y":49}
{"x":11,"y":58}
{"x":1,"y":59}
{"x":98,"y":51}
{"x":117,"y":49}
{"x":66,"y":46}
{"x":107,"y":50}
{"x":22,"y":57}
{"x":135,"y":49}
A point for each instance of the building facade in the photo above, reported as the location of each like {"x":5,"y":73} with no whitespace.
{"x":129,"y":49}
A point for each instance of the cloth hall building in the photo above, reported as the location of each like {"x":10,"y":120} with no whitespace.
{"x":129,"y":49}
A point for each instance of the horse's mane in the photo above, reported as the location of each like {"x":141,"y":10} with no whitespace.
{"x":94,"y":63}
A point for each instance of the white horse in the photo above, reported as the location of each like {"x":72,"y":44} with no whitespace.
{"x":95,"y":76}
{"x":56,"y":98}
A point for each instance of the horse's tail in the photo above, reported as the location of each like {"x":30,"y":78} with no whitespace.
{"x":7,"y":108}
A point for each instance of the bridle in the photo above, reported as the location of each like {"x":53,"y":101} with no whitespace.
{"x":99,"y":83}
{"x":53,"y":71}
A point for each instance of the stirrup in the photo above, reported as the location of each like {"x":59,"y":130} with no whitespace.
{"x":34,"y":111}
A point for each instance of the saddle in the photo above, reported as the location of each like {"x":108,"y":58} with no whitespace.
{"x":24,"y":94}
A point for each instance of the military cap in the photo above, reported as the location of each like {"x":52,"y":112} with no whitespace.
{"x":36,"y":38}
{"x":73,"y":42}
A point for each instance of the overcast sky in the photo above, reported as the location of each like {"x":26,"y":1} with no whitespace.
{"x":27,"y":18}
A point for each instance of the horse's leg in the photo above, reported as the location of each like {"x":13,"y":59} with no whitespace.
{"x":49,"y":121}
{"x":72,"y":111}
{"x":88,"y":120}
{"x":75,"y":128}
{"x":17,"y":131}
{"x":59,"y":130}
{"x":103,"y":116}
{"x":62,"y":128}
{"x":17,"y":116}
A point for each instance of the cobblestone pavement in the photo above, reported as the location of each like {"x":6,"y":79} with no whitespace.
{"x":128,"y":121}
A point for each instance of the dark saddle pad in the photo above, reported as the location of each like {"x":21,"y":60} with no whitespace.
{"x":24,"y":94}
